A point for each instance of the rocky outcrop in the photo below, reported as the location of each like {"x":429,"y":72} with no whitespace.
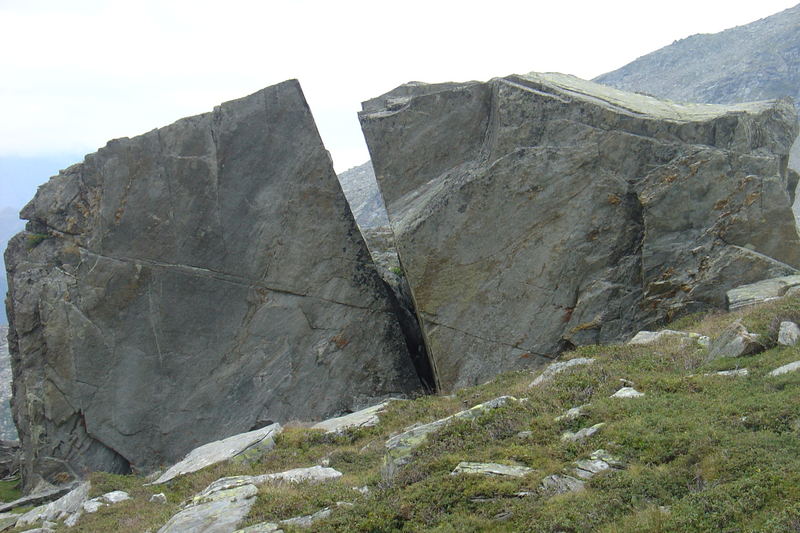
{"x":534,"y":213}
{"x":198,"y":281}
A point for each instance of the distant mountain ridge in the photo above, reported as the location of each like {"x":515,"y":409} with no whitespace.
{"x":757,"y":61}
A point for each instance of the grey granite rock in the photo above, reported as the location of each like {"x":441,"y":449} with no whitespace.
{"x":561,"y":484}
{"x":364,"y":197}
{"x":627,"y":392}
{"x":761,"y":291}
{"x":650,"y":337}
{"x":735,"y":341}
{"x":220,"y":511}
{"x":788,"y":333}
{"x":364,"y":418}
{"x":538,"y":212}
{"x":785,"y":369}
{"x":491,"y":469}
{"x":222,"y":450}
{"x":201,"y":280}
{"x":67,"y":505}
{"x":581,"y":434}
{"x":558,"y":367}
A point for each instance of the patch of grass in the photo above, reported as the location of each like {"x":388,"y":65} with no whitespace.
{"x":10,"y":490}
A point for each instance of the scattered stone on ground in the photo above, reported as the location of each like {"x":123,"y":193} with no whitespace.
{"x":735,"y":341}
{"x":738,"y":372}
{"x":60,"y":509}
{"x":788,"y":334}
{"x":313,"y":474}
{"x":214,"y":511}
{"x":785,"y":369}
{"x":491,"y":469}
{"x":627,"y":392}
{"x":364,"y":418}
{"x":649,"y":337}
{"x":399,"y":447}
{"x":109,"y":498}
{"x":158,"y":498}
{"x":761,"y":291}
{"x":572,"y":413}
{"x":556,"y":368}
{"x":48,"y":493}
{"x":560,"y":484}
{"x":524,"y":434}
{"x":582,"y":434}
{"x":222,"y":450}
{"x":586,"y":468}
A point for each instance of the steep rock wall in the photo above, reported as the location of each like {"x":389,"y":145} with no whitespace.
{"x":197,"y":281}
{"x":533,"y":213}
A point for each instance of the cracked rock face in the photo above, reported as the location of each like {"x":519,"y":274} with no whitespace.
{"x":533,"y":213}
{"x":197,"y":281}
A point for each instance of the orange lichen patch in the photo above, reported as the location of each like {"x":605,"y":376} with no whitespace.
{"x":613,"y":199}
{"x":340,"y":341}
{"x":752,"y":197}
{"x":721,"y":204}
{"x":670,"y":178}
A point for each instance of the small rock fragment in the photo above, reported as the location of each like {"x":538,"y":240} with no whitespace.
{"x":364,"y":418}
{"x":158,"y":498}
{"x":560,"y":484}
{"x":586,"y":468}
{"x":572,"y":413}
{"x":556,"y":368}
{"x":785,"y":369}
{"x":115,"y":496}
{"x":627,"y":392}
{"x":491,"y":469}
{"x":582,"y":433}
{"x":735,"y":341}
{"x":93,"y":505}
{"x":650,"y":337}
{"x":732,"y":373}
{"x":788,"y":334}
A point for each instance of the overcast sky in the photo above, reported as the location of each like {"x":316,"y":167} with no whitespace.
{"x":75,"y":73}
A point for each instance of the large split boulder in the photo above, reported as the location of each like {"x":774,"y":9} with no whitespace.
{"x":198,"y":281}
{"x":533,"y":213}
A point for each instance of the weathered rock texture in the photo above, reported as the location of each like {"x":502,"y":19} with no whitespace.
{"x":7,"y":429}
{"x":537,"y":212}
{"x":757,"y":61}
{"x":195,"y":282}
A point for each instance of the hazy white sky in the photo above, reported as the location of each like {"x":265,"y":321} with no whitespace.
{"x":74,"y":74}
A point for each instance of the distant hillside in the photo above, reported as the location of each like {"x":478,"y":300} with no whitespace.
{"x":361,"y":190}
{"x":758,"y":61}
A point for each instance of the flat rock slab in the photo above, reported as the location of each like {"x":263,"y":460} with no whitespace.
{"x":785,"y":369}
{"x":556,"y":368}
{"x":222,"y":450}
{"x":400,"y":447}
{"x":69,"y":504}
{"x":761,"y":291}
{"x":536,"y":212}
{"x":195,"y":282}
{"x":220,"y":511}
{"x":650,"y":337}
{"x":364,"y":418}
{"x":37,"y":498}
{"x":491,"y":469}
{"x":735,"y":341}
{"x":561,"y":484}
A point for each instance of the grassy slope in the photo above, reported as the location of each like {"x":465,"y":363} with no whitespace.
{"x":703,"y":453}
